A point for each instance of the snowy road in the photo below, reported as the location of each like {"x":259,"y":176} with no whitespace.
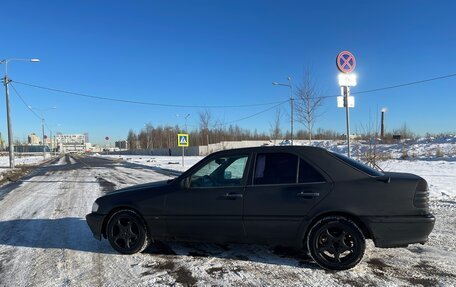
{"x":45,"y":241}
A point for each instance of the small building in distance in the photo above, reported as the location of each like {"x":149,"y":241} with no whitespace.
{"x":33,"y":139}
{"x":71,"y":143}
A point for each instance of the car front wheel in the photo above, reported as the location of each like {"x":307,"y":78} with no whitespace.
{"x":336,"y":243}
{"x":126,"y":232}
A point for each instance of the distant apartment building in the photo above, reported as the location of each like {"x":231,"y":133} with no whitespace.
{"x":71,"y":143}
{"x":33,"y":139}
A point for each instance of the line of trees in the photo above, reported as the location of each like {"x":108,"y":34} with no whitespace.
{"x":308,"y":102}
{"x":151,"y":137}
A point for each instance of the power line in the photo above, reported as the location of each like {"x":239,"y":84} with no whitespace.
{"x":253,"y":115}
{"x":145,"y":103}
{"x":225,"y":106}
{"x":228,"y":123}
{"x":31,"y":110}
{"x":24,"y":102}
{"x":397,"y":86}
{"x":406,"y":84}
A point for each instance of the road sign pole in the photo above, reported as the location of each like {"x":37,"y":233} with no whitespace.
{"x":347,"y":113}
{"x":346,"y":63}
{"x":182,"y":141}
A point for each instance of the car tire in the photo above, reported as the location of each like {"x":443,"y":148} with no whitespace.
{"x":336,"y":243}
{"x":127,"y":232}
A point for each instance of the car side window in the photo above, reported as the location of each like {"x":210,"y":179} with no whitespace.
{"x":276,"y":168}
{"x":307,"y":173}
{"x":220,"y":172}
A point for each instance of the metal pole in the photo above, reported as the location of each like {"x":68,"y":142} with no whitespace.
{"x":291,"y":110}
{"x":51,"y":143}
{"x":383,"y":125}
{"x":42,"y":130}
{"x":8,"y":118}
{"x":183,"y":151}
{"x":347,"y":112}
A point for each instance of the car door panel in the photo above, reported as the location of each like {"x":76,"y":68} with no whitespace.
{"x":211,"y":207}
{"x":274,"y":212}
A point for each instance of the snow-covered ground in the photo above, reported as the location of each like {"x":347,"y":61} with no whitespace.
{"x":23,"y":160}
{"x":19,"y":161}
{"x":45,"y":241}
{"x":422,"y":148}
{"x":163,"y":162}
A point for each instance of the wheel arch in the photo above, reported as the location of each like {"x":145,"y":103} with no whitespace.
{"x":356,"y":219}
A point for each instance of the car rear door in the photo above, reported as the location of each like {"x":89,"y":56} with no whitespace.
{"x":210,"y":206}
{"x":282,"y":189}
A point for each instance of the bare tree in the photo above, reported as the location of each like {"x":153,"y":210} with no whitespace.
{"x":132,"y":140}
{"x":205,"y":119}
{"x":309,"y":100}
{"x":275,"y":126}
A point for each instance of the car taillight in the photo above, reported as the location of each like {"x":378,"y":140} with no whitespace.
{"x":421,"y":198}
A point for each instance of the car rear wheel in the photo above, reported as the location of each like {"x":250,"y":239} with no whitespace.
{"x":126,"y":232}
{"x":336,"y":243}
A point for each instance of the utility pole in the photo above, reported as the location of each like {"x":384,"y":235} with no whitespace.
{"x":8,"y":110}
{"x":291,"y":109}
{"x":8,"y":119}
{"x":42,"y":130}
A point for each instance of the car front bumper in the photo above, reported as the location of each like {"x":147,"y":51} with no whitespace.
{"x":400,"y":231}
{"x":95,"y":222}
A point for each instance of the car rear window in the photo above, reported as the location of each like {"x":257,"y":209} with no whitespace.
{"x":308,"y":174}
{"x":276,"y":168}
{"x":358,"y":165}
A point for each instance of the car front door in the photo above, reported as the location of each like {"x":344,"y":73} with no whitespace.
{"x":209,"y":205}
{"x":283,"y":188}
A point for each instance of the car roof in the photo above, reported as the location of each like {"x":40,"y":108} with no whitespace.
{"x":298,"y":149}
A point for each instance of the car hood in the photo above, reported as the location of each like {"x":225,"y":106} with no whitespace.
{"x":148,"y":186}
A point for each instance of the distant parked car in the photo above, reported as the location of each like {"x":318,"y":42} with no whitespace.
{"x":303,"y":197}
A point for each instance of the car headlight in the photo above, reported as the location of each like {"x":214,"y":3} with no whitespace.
{"x":95,"y":207}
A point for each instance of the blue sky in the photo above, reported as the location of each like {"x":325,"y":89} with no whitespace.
{"x":224,"y":53}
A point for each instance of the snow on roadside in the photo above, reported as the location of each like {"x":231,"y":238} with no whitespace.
{"x":165,"y":162}
{"x":19,"y":161}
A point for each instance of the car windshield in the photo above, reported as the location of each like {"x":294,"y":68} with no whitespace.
{"x":358,"y":165}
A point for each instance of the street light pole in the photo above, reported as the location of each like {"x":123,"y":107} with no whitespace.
{"x":185,"y":117}
{"x":8,"y":110}
{"x":290,"y":85}
{"x":42,"y":127}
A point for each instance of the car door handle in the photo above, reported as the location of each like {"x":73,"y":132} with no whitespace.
{"x":307,"y":194}
{"x":232,"y":196}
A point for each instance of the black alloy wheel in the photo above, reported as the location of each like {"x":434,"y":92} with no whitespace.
{"x":336,"y":243}
{"x":127,"y":232}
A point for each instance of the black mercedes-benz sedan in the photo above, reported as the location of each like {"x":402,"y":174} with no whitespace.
{"x":296,"y":196}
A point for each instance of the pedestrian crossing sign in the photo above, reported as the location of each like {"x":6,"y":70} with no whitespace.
{"x":182,"y":140}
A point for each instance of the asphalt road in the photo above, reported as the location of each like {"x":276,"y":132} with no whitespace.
{"x":45,"y":241}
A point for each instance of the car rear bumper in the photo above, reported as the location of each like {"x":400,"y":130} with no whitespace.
{"x":399,"y":231}
{"x":95,"y":222}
